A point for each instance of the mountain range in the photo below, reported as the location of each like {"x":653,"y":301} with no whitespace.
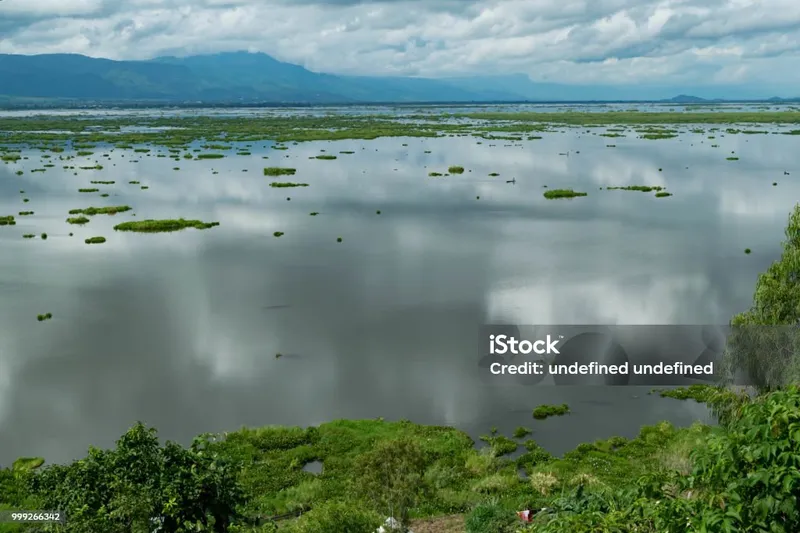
{"x":250,"y":78}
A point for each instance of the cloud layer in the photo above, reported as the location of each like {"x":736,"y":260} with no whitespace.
{"x":573,"y":41}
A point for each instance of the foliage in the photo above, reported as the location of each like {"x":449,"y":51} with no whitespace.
{"x":337,"y":517}
{"x":392,"y":476}
{"x":141,"y":486}
{"x":491,"y":518}
{"x":765,"y":340}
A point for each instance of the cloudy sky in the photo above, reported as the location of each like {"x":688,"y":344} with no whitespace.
{"x":752,"y":42}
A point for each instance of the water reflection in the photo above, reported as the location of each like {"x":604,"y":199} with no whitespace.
{"x":181,"y":330}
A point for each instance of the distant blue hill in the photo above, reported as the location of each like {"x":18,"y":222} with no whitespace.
{"x":258,"y":78}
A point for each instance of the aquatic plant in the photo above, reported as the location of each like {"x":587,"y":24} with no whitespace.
{"x":167,"y":225}
{"x":278,"y":171}
{"x":640,"y":188}
{"x":455,"y":170}
{"x":553,"y":194}
{"x":108,"y":210}
{"x":545,"y":411}
{"x":286,"y":184}
{"x":95,"y":240}
{"x":278,"y":233}
{"x":78,"y":220}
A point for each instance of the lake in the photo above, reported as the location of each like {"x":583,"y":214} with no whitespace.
{"x":181,"y":330}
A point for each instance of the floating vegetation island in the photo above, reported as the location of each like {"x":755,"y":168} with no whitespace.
{"x":162,"y":226}
{"x":546,"y":411}
{"x":110,"y":210}
{"x":640,"y":188}
{"x":279,"y":171}
{"x":95,"y":240}
{"x":286,"y":184}
{"x":554,"y":194}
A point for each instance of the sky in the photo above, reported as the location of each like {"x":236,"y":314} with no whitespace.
{"x":744,"y":42}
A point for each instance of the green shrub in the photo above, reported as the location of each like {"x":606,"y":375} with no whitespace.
{"x":491,"y":518}
{"x":337,"y":517}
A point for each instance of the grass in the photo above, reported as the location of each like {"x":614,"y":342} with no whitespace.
{"x":640,"y":188}
{"x":279,"y":171}
{"x":521,"y":432}
{"x":78,"y":220}
{"x":95,"y":240}
{"x":554,"y":194}
{"x":46,"y":316}
{"x":286,"y":184}
{"x":546,"y":411}
{"x":161,"y":226}
{"x":614,"y":118}
{"x":109,"y":210}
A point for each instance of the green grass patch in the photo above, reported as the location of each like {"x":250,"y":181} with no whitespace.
{"x":640,"y":188}
{"x":554,"y":194}
{"x":546,"y":411}
{"x":108,"y":210}
{"x":279,"y":171}
{"x":286,"y":184}
{"x":161,"y":226}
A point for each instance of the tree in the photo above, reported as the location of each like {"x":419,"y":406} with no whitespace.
{"x":392,"y":477}
{"x":765,"y":340}
{"x":140,"y":487}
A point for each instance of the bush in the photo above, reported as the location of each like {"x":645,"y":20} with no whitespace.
{"x":491,"y":518}
{"x":337,"y":517}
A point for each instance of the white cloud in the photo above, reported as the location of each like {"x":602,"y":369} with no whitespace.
{"x":574,"y":41}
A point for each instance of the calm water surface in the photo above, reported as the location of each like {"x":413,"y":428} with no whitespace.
{"x":181,"y":330}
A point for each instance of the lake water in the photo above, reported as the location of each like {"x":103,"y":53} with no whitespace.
{"x":181,"y":330}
